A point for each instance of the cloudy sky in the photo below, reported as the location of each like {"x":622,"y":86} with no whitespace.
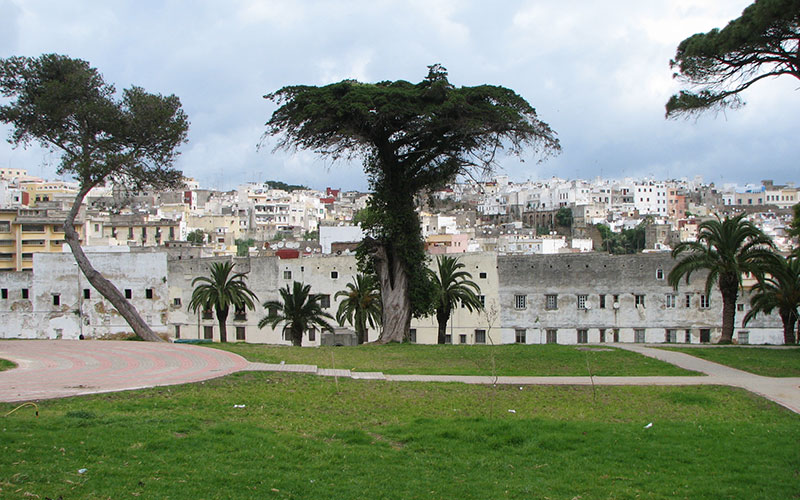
{"x":597,"y":72}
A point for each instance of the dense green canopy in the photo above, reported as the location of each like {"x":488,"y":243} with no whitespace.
{"x":764,"y":42}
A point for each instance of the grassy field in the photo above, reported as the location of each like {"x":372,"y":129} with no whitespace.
{"x":302,"y":436}
{"x":784,"y":362}
{"x":6,"y":364}
{"x":509,"y":359}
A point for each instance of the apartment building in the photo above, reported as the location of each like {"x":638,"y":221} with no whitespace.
{"x":25,"y":232}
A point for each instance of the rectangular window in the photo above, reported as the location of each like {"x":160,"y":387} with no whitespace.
{"x":551,"y":302}
{"x":448,"y":339}
{"x":602,"y":301}
{"x":687,"y":336}
{"x":176,"y":301}
{"x":172,"y":232}
{"x":638,"y":300}
{"x":669,"y":301}
{"x":5,"y":226}
{"x":412,"y":335}
{"x":519,"y":301}
{"x":519,"y":336}
{"x":208,"y":314}
{"x":128,"y":293}
{"x":462,"y":338}
{"x":208,"y":332}
{"x":480,"y":336}
{"x":671,"y":336}
{"x":602,"y":334}
{"x":552,"y":336}
{"x":688,"y":300}
{"x":582,"y":301}
{"x":130,"y":233}
{"x":239,"y":313}
{"x":177,"y":331}
{"x":56,"y":299}
{"x":705,"y":302}
{"x":33,"y":228}
{"x":87,"y":293}
{"x":660,"y":274}
{"x":583,"y":336}
{"x":482,"y":276}
{"x":334,"y":275}
{"x":240,"y":330}
{"x":24,"y":293}
{"x":148,"y":293}
{"x":638,"y":335}
{"x":287,"y":275}
{"x":324,"y":301}
{"x":312,"y":335}
{"x":4,"y":293}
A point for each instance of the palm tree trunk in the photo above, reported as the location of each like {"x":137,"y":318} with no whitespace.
{"x":730,"y":291}
{"x":98,"y":281}
{"x":361,"y":330}
{"x":789,"y":319}
{"x":222,"y":318}
{"x":442,"y":316}
{"x":297,"y":337}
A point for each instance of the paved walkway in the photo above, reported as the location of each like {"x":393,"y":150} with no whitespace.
{"x":58,"y":368}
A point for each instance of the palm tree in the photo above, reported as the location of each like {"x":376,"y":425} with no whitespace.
{"x":361,"y":305}
{"x":778,"y":288}
{"x":299,"y":309}
{"x":453,"y":287}
{"x":727,"y":249}
{"x":221,"y":291}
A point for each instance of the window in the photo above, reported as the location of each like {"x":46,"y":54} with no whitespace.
{"x":482,"y":276}
{"x":582,"y":301}
{"x":519,"y":336}
{"x":177,"y":331}
{"x":208,"y":314}
{"x":172,"y":232}
{"x":705,"y":301}
{"x":148,"y":293}
{"x":334,"y":275}
{"x":312,"y":335}
{"x":97,"y":228}
{"x":480,"y":336}
{"x":671,"y":336}
{"x":551,"y":302}
{"x":4,"y":293}
{"x":240,"y":331}
{"x":687,"y":336}
{"x":602,"y":301}
{"x":5,"y":226}
{"x":659,"y":274}
{"x":287,"y":275}
{"x":33,"y":228}
{"x":602,"y":334}
{"x":130,"y":233}
{"x":616,"y":301}
{"x":208,"y":332}
{"x":638,"y":335}
{"x":239,"y":313}
{"x":519,"y":301}
{"x":638,"y":300}
{"x":128,"y":293}
{"x":552,"y":336}
{"x":24,"y":293}
{"x":324,"y":301}
{"x":87,"y":293}
{"x":462,"y":338}
{"x":176,"y":301}
{"x":740,"y":307}
{"x":448,"y":339}
{"x":56,"y":299}
{"x":412,"y":335}
{"x":616,"y":334}
{"x":669,"y":301}
{"x":688,"y":301}
{"x":583,"y":335}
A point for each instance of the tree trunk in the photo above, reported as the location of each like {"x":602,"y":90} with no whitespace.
{"x":222,"y":317}
{"x":729,"y":287}
{"x":361,"y":330}
{"x":98,"y":281}
{"x":789,"y":319}
{"x":393,"y":279}
{"x":297,"y":337}
{"x":442,"y":316}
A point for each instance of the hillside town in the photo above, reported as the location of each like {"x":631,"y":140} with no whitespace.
{"x":154,"y":244}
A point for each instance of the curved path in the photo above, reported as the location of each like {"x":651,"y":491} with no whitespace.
{"x":57,"y":368}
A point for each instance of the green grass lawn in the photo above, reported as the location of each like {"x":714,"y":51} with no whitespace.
{"x":509,"y":359}
{"x":302,"y":436}
{"x":783,"y":362}
{"x":6,"y":365}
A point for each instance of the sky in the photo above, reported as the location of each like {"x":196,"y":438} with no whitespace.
{"x":597,"y":72}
